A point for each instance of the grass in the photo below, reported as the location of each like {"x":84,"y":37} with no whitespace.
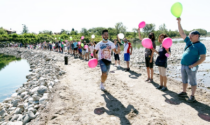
{"x":6,"y":59}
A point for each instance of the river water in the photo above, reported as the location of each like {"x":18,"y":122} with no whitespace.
{"x":12,"y":77}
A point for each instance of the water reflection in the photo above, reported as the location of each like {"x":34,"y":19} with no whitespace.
{"x":12,"y":76}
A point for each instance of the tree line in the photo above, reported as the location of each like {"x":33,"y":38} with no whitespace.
{"x":46,"y":35}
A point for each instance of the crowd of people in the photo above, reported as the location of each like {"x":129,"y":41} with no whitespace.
{"x":193,"y":55}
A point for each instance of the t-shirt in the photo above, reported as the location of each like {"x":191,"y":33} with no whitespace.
{"x":75,"y":44}
{"x":162,"y":59}
{"x":127,"y":47}
{"x":192,"y":54}
{"x":91,"y":49}
{"x":104,"y":50}
{"x":148,"y":52}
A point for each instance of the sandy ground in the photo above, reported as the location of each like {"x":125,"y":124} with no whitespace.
{"x":129,"y":100}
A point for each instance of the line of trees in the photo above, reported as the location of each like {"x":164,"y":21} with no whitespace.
{"x":48,"y":36}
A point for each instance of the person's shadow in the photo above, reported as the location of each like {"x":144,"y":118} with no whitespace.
{"x":202,"y":109}
{"x":116,"y":108}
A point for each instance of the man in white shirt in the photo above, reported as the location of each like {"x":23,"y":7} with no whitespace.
{"x":104,"y":56}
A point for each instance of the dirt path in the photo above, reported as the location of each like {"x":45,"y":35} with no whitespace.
{"x":129,"y":100}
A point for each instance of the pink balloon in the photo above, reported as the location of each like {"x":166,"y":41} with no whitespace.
{"x":86,"y":46}
{"x":167,"y":55}
{"x":82,"y":37}
{"x":79,"y":43}
{"x":91,"y":54}
{"x":93,"y":63}
{"x":142,"y":24}
{"x":147,"y":43}
{"x":167,"y":43}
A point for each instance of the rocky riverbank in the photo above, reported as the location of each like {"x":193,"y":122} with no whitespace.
{"x":33,"y":96}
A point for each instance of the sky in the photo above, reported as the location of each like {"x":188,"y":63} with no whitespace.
{"x":54,"y":15}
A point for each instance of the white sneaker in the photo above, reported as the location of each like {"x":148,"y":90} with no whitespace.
{"x":102,"y":87}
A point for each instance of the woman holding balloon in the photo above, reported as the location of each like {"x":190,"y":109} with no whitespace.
{"x":161,"y":61}
{"x":149,"y":60}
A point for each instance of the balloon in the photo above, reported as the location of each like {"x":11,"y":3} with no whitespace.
{"x":66,"y":41}
{"x":86,"y":46}
{"x":167,"y":55}
{"x":142,"y":24}
{"x":147,"y":43}
{"x":93,"y":63}
{"x":55,"y":38}
{"x":61,"y":40}
{"x":70,"y":38}
{"x":93,"y":36}
{"x":121,"y":36}
{"x":79,"y":43}
{"x":82,"y":44}
{"x":176,"y":9}
{"x":91,"y":54}
{"x":167,"y":42}
{"x":82,"y":37}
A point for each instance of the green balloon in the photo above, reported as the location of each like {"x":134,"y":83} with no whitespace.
{"x":82,"y":44}
{"x":176,"y":9}
{"x":61,"y":40}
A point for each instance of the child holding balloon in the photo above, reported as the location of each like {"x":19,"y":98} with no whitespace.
{"x":149,"y":60}
{"x":161,"y":62}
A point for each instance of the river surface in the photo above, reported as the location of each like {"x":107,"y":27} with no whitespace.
{"x":12,"y":77}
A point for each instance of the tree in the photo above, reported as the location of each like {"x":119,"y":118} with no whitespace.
{"x":120,"y":28}
{"x":162,"y":29}
{"x":84,"y":32}
{"x":2,"y":31}
{"x":25,"y":29}
{"x":148,"y":28}
{"x":134,"y":32}
{"x":46,"y":32}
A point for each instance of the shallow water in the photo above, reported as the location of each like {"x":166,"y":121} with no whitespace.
{"x":12,"y":77}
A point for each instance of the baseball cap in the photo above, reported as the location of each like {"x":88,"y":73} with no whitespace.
{"x":195,"y":33}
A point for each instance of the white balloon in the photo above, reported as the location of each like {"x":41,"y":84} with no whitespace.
{"x":121,"y":35}
{"x":93,"y":36}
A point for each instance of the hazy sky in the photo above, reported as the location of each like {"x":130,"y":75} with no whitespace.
{"x":54,"y":15}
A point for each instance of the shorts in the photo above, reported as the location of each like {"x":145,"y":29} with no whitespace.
{"x":187,"y":73}
{"x":162,"y":71}
{"x":127,"y":57}
{"x":80,"y":51}
{"x":116,"y":57}
{"x":148,"y":64}
{"x":75,"y":48}
{"x":68,"y":48}
{"x":104,"y":68}
{"x":83,"y":52}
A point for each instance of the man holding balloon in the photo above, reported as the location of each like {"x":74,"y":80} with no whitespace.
{"x":194,"y":54}
{"x":104,"y":48}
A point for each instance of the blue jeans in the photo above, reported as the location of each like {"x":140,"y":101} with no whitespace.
{"x":104,"y":68}
{"x":187,"y":73}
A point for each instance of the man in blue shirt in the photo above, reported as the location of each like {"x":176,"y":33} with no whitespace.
{"x":194,"y":54}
